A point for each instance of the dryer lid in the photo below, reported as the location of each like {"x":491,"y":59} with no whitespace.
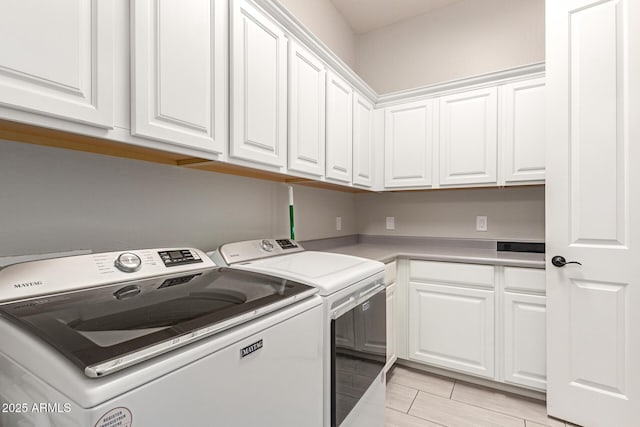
{"x":326,"y":271}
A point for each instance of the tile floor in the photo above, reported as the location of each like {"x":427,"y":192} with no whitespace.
{"x":417,"y":399}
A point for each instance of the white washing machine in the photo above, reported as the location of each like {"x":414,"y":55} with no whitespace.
{"x":354,"y":298}
{"x":153,"y":338}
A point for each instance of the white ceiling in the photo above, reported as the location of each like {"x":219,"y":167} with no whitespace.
{"x":367,"y":15}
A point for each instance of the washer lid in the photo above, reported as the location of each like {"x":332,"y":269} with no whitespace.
{"x":326,"y":271}
{"x":107,"y":328}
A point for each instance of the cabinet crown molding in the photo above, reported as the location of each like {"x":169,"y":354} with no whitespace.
{"x":296,"y":28}
{"x":473,"y":82}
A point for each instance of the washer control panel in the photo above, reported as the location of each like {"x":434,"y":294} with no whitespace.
{"x":128,"y":262}
{"x":179,"y":257}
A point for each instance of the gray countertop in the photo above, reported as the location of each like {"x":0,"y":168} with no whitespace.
{"x":386,"y":249}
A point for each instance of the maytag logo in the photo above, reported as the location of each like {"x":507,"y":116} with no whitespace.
{"x":245,"y":351}
{"x":28,"y":284}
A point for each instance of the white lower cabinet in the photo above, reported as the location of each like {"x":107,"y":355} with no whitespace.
{"x":482,"y":320}
{"x":525,"y":339}
{"x":452,"y":327}
{"x":392,"y":351}
{"x":525,"y":335}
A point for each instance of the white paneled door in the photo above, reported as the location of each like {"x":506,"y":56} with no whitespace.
{"x":258,"y":86}
{"x":306,"y":111}
{"x":339,"y":128}
{"x":179,"y":72}
{"x":593,"y":211}
{"x":468,"y":137}
{"x":56,"y":58}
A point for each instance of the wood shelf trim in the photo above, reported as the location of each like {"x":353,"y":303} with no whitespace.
{"x":20,"y":132}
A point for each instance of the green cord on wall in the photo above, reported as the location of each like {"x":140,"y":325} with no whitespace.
{"x":292,"y":231}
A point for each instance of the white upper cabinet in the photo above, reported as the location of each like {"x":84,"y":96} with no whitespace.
{"x":258,"y":87}
{"x":523,"y":130}
{"x":468,"y":137}
{"x":179,"y":72}
{"x":306,"y":111}
{"x":363,"y":166}
{"x":339,"y":128}
{"x":56,"y":58}
{"x":408,"y":145}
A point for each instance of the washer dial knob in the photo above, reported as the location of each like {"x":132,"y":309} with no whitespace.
{"x":128,"y":262}
{"x":266,"y":245}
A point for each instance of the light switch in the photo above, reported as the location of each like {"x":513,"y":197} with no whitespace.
{"x":391,"y":223}
{"x":338,"y":223}
{"x":481,"y":223}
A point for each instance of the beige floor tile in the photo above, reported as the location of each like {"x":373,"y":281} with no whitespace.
{"x":400,"y":397}
{"x":494,"y":400}
{"x":400,"y":419}
{"x":457,"y":414}
{"x":421,"y":381}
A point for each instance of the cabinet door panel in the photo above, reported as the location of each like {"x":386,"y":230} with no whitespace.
{"x":306,"y":111}
{"x":525,"y":279}
{"x":408,"y":145}
{"x":362,"y":141}
{"x":179,"y":75}
{"x":452,"y":327}
{"x":468,"y":137}
{"x":452,"y":272}
{"x":339,"y":128}
{"x":391,"y":326}
{"x":523,"y":134}
{"x":259,"y":87}
{"x":56,"y":58}
{"x":525,"y":340}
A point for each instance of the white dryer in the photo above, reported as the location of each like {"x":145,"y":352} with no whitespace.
{"x":353,"y":292}
{"x":152,"y":338}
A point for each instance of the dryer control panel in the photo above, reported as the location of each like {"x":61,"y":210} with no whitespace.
{"x":249,"y":250}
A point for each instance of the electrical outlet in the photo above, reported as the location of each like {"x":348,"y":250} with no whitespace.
{"x":481,"y":223}
{"x":338,"y":223}
{"x":391,"y":223}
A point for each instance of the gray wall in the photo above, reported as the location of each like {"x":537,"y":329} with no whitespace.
{"x":325,"y":21}
{"x":513,"y":213}
{"x":464,"y":39}
{"x":55,"y":200}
